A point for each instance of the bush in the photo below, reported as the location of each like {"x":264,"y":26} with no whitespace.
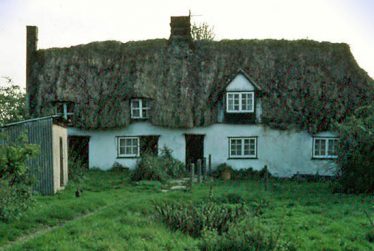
{"x":245,"y":235}
{"x":117,"y":167}
{"x":160,"y":168}
{"x":14,"y":200}
{"x":15,"y":179}
{"x":230,"y":198}
{"x":193,"y":218}
{"x":221,"y":168}
{"x":241,"y":174}
{"x":356,"y":152}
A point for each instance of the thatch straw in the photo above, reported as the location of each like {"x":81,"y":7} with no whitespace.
{"x":306,"y":84}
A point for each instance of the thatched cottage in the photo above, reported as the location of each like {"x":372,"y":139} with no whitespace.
{"x":248,"y":103}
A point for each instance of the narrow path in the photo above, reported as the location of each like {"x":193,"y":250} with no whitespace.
{"x":48,"y":229}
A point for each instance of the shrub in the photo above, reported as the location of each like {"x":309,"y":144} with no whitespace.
{"x":14,"y":200}
{"x":356,"y":152}
{"x":118,"y":167}
{"x":241,"y":174}
{"x":370,"y":235}
{"x":160,"y":168}
{"x":193,"y":218}
{"x":230,"y":198}
{"x":217,"y":173}
{"x":245,"y":235}
{"x":15,"y":179}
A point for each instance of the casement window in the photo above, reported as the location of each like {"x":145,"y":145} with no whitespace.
{"x":128,"y":146}
{"x":325,"y":148}
{"x":240,"y":102}
{"x":243,"y":147}
{"x":140,"y":108}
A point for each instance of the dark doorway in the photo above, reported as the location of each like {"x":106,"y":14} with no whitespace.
{"x":78,"y":150}
{"x":148,"y":144}
{"x":61,"y":163}
{"x":194,"y":148}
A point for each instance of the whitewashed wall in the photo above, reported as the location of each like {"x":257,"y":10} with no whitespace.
{"x":284,"y":152}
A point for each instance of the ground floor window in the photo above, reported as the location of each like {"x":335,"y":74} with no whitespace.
{"x":325,"y":148}
{"x":135,"y":146}
{"x":128,"y":147}
{"x":243,"y":147}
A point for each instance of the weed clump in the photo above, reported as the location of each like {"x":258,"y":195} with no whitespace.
{"x":161,"y":168}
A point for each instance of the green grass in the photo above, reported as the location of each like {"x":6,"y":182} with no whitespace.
{"x":114,"y":214}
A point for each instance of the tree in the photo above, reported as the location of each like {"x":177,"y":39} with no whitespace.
{"x":202,"y":32}
{"x":12,"y":101}
{"x":356,"y":152}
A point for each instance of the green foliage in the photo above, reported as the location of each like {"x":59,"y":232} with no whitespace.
{"x":160,"y":168}
{"x":241,"y":174}
{"x":12,"y":102}
{"x":121,"y":217}
{"x":202,"y":32}
{"x":221,"y":168}
{"x":15,"y":179}
{"x":118,"y":167}
{"x":192,"y":219}
{"x":356,"y":152}
{"x":77,"y":167}
{"x":245,"y":235}
{"x":14,"y":200}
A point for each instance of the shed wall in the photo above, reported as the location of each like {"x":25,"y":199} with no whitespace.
{"x":38,"y":132}
{"x":59,"y":132}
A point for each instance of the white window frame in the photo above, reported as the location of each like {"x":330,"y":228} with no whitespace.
{"x":140,"y":108}
{"x":243,"y":156}
{"x":241,"y":94}
{"x":128,"y":155}
{"x":327,"y":142}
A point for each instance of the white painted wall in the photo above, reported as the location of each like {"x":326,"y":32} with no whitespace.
{"x":284,"y":152}
{"x":240,"y":83}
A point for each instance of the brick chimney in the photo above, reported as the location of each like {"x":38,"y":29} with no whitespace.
{"x":31,"y":49}
{"x":180,"y":29}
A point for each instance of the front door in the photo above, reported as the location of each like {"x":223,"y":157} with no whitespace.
{"x":79,"y":150}
{"x":194,"y":148}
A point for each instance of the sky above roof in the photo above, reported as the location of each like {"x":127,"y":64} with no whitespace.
{"x":63,"y":23}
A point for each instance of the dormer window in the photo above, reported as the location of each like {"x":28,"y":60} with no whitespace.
{"x":140,"y":108}
{"x":240,"y":102}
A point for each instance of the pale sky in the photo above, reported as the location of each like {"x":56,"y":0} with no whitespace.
{"x":63,"y":23}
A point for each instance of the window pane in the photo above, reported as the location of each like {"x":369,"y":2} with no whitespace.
{"x":236,"y":147}
{"x":145,"y":113}
{"x":332,"y":147}
{"x":135,"y":113}
{"x":236,"y":101}
{"x":135,"y":103}
{"x":252,"y":147}
{"x":246,"y":101}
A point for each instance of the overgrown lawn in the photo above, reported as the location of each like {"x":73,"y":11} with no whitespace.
{"x":115,"y":214}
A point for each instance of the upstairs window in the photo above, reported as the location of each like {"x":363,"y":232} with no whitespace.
{"x":140,"y":108}
{"x":240,"y":102}
{"x":325,"y":148}
{"x":243,"y":147}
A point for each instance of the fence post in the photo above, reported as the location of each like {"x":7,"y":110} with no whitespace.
{"x":266,"y":177}
{"x":204,"y":169}
{"x":192,"y":174}
{"x":210,"y":165}
{"x":199,"y":170}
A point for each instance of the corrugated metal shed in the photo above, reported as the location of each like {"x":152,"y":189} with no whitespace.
{"x":39,"y":131}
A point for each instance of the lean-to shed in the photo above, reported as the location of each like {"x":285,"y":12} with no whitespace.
{"x":50,"y":167}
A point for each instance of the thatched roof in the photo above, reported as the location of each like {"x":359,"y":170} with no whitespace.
{"x":305,"y":84}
